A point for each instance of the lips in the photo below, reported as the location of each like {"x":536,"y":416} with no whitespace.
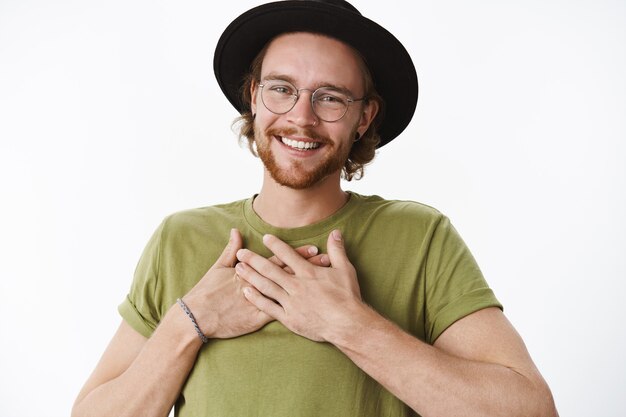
{"x":300,"y":140}
{"x":299,"y":144}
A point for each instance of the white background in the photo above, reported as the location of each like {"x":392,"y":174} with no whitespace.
{"x":110,"y":119}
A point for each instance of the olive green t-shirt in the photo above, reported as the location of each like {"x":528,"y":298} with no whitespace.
{"x":412,"y":266}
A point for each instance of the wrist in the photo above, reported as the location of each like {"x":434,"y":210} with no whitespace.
{"x":181,"y":329}
{"x":205,"y":318}
{"x":350,"y":326}
{"x":192,"y":318}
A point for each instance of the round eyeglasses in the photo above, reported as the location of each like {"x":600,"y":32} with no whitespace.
{"x":328,"y":103}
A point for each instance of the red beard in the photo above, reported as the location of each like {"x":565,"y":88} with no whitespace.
{"x":296,"y":176}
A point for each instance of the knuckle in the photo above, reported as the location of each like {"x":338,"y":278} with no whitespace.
{"x":266,"y":268}
{"x":264,"y":286}
{"x":276,"y":261}
{"x":308,"y":270}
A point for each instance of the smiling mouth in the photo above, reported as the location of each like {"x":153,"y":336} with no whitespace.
{"x":299,"y":144}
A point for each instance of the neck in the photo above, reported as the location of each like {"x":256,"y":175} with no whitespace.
{"x":286,"y":207}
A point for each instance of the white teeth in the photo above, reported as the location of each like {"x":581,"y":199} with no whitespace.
{"x":299,"y":144}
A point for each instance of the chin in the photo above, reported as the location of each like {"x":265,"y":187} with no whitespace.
{"x":297,"y":180}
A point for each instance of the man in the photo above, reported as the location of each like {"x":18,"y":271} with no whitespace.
{"x":392,"y":318}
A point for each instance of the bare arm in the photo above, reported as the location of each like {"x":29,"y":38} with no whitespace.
{"x":143,"y":377}
{"x":478,"y":367}
{"x":138,"y":376}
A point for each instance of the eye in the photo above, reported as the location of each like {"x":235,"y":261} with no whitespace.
{"x":329,"y":98}
{"x":282,"y":89}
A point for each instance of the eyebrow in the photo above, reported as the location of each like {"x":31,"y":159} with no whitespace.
{"x":272,"y":76}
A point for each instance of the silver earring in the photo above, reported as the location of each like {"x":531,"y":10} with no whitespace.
{"x":357,"y":137}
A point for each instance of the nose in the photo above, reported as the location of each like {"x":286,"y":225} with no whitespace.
{"x":302,"y":113}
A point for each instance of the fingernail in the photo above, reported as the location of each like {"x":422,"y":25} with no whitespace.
{"x":336,"y":235}
{"x":239,"y":253}
{"x":313,"y":250}
{"x":239,"y":267}
{"x":247,"y":291}
{"x":232,"y":233}
{"x":266,"y":237}
{"x":325,"y":260}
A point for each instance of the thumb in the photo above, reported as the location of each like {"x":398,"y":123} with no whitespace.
{"x":337,"y":250}
{"x":228,"y":258}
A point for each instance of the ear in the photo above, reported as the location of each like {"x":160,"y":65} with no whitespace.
{"x":369,"y":112}
{"x":254,"y":88}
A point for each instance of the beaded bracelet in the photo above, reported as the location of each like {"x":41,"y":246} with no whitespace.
{"x":193,"y":320}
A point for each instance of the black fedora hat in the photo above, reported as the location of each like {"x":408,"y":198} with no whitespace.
{"x":389,"y":62}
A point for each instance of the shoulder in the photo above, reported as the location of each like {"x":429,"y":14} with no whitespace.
{"x":202,"y":217}
{"x":398,"y":211}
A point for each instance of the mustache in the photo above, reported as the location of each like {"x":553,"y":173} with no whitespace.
{"x":294,"y":132}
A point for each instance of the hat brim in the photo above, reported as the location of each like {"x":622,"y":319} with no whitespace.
{"x":389,"y":62}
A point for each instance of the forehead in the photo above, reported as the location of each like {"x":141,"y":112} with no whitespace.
{"x":313,"y":60}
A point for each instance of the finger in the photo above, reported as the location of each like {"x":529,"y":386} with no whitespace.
{"x":265,"y":268}
{"x":264,"y":304}
{"x":263,"y":284}
{"x":284,"y":252}
{"x":228,"y":258}
{"x":320,"y":260}
{"x":306,"y":251}
{"x":337,"y":250}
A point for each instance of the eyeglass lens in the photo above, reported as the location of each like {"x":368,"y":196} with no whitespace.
{"x":280,"y":97}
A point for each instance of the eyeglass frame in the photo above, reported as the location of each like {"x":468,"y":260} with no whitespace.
{"x":297,"y":96}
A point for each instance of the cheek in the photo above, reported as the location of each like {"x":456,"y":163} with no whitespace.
{"x":353,"y":127}
{"x":262,"y":119}
{"x":265,"y":118}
